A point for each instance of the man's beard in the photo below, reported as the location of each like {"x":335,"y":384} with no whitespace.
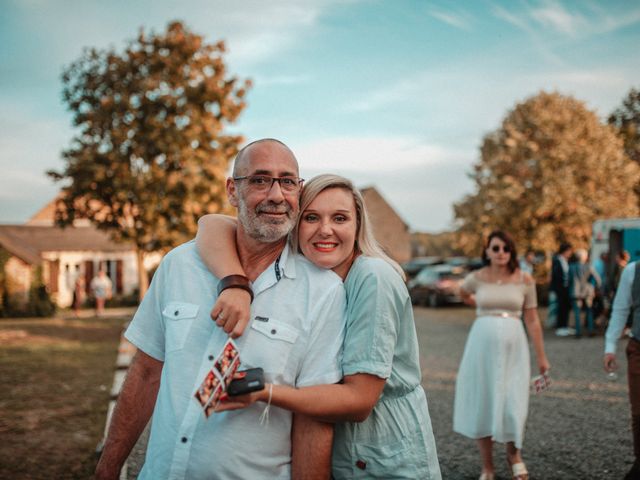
{"x":267,"y":229}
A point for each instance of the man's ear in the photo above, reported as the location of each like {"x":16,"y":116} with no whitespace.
{"x":232,"y":192}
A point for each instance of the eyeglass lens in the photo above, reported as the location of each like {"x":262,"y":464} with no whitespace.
{"x":265,"y":182}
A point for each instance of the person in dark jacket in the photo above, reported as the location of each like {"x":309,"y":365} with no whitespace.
{"x":560,"y":286}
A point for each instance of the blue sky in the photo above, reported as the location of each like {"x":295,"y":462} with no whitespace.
{"x":396,"y":93}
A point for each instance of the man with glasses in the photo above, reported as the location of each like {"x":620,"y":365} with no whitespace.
{"x":295,"y":335}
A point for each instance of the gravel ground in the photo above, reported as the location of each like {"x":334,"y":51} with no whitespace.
{"x":577,"y":429}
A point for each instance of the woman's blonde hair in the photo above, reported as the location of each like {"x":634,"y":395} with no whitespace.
{"x":366,"y":243}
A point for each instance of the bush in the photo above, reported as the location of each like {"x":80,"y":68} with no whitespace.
{"x":40,"y":303}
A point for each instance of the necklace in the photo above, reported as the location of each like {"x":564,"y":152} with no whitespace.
{"x":497,"y":279}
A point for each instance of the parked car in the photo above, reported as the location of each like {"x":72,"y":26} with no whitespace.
{"x":467,"y":263}
{"x":413,"y":266}
{"x":437,"y":285}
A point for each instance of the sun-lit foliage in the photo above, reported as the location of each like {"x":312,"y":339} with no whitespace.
{"x":151,"y":153}
{"x":545,"y":175}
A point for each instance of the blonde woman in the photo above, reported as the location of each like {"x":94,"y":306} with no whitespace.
{"x":383,"y":428}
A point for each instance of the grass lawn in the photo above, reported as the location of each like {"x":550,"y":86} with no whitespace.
{"x":56,"y":375}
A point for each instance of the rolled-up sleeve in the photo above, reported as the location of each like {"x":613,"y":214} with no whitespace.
{"x":147,"y":331}
{"x":621,"y":308}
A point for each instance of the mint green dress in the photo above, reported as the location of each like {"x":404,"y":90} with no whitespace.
{"x":396,"y":440}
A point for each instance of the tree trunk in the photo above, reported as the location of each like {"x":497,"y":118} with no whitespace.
{"x":143,"y":278}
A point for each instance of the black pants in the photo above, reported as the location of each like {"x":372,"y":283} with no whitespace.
{"x":564,"y":306}
{"x":633,"y":376}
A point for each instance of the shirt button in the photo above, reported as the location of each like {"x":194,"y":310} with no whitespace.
{"x":361,"y":464}
{"x":273,"y":331}
{"x":211,"y":357}
{"x":183,"y":439}
{"x":176,"y":313}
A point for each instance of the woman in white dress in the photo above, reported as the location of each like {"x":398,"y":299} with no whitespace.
{"x":492,"y":387}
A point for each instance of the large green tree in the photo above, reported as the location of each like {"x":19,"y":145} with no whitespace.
{"x":151,"y":153}
{"x":626,"y":121}
{"x":545,"y":175}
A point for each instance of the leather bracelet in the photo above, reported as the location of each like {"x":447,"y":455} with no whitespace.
{"x":235,"y":281}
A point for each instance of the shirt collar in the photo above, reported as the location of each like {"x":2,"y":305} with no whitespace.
{"x":283,"y":266}
{"x":287,"y":263}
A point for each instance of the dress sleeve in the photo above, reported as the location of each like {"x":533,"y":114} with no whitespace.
{"x":375,"y":312}
{"x":530,"y":297}
{"x":470,"y":283}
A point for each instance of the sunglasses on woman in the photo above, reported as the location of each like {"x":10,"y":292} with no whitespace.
{"x":504,"y":248}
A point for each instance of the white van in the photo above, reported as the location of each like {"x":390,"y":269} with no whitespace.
{"x":614,"y":235}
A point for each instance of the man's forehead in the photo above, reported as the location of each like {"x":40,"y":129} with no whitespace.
{"x":268,"y":157}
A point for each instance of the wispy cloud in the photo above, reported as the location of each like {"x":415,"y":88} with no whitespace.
{"x":363,"y":154}
{"x":459,"y":20}
{"x":574,"y":20}
{"x":522,"y":22}
{"x":554,"y":15}
{"x":268,"y":81}
{"x":375,"y":99}
{"x":402,"y":168}
{"x":255,"y":31}
{"x":609,"y":21}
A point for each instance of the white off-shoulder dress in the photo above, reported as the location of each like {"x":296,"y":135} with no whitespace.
{"x":492,"y":387}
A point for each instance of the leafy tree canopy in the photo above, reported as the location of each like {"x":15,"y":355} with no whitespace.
{"x":151,"y":154}
{"x":626,"y":120}
{"x":545,"y":175}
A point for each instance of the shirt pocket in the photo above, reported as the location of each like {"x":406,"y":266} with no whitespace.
{"x":178,"y":319}
{"x":269,"y":345}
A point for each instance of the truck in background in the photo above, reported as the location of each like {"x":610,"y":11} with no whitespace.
{"x":614,"y":235}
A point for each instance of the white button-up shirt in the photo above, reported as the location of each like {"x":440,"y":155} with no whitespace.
{"x":295,"y":335}
{"x":622,"y":304}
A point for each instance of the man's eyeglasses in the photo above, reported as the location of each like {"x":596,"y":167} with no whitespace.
{"x":263,"y":183}
{"x":497,"y":248}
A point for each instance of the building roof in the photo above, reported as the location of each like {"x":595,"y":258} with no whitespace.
{"x":374,"y":195}
{"x":28,"y":242}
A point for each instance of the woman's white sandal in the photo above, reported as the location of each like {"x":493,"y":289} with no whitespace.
{"x":487,"y":476}
{"x":519,"y":471}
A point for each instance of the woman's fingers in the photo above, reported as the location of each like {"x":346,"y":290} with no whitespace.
{"x":234,"y":403}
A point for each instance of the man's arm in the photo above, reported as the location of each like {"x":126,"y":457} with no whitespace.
{"x":311,"y":443}
{"x":620,"y":311}
{"x":135,"y":405}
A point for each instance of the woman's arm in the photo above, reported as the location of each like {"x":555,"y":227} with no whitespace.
{"x":534,"y":328}
{"x":350,"y":401}
{"x":467,"y":297}
{"x":216,"y":245}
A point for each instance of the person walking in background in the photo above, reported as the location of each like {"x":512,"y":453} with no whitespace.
{"x":560,"y":287}
{"x":492,"y":387}
{"x":622,"y":259}
{"x":583,"y":280}
{"x":626,"y":304}
{"x":101,"y":288}
{"x":78,"y":294}
{"x":527,"y":262}
{"x":601,"y":302}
